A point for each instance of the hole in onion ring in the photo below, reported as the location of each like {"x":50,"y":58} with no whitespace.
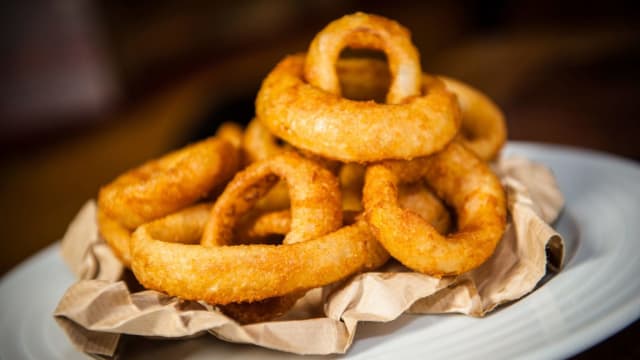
{"x":460,"y":178}
{"x":364,"y":78}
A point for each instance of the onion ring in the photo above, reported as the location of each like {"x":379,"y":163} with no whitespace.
{"x":415,"y":197}
{"x":483,"y":129}
{"x":263,"y":227}
{"x":463,"y":181}
{"x":232,"y":132}
{"x":364,"y":31}
{"x":170,"y":183}
{"x":119,"y":238}
{"x":260,"y":227}
{"x":313,"y":190}
{"x":246,"y":273}
{"x":116,"y":236}
{"x":259,"y":143}
{"x":343,"y":129}
{"x":315,"y":200}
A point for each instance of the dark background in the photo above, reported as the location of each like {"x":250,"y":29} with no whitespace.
{"x":91,"y":88}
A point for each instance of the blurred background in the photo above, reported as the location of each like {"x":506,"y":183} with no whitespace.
{"x":92,"y":88}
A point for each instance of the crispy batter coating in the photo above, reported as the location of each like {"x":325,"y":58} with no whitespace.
{"x":116,"y":236}
{"x":416,"y":197}
{"x":350,"y":130}
{"x":419,"y":119}
{"x":119,"y":238}
{"x":460,"y":178}
{"x":259,"y":143}
{"x":315,"y":199}
{"x":483,"y":130}
{"x":313,"y":191}
{"x":260,"y":226}
{"x":232,"y":132}
{"x":364,"y":31}
{"x":247,"y":273}
{"x":163,"y":186}
{"x":170,"y":183}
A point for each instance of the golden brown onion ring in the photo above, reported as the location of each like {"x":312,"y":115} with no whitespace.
{"x":258,"y":227}
{"x":259,"y":143}
{"x":483,"y":129}
{"x":116,"y":236}
{"x":313,"y":191}
{"x":463,"y":181}
{"x":354,"y":131}
{"x":119,"y":238}
{"x":179,"y":266}
{"x":232,"y":132}
{"x":163,"y":186}
{"x":364,"y":31}
{"x":303,"y":176}
{"x":264,"y":227}
{"x":415,"y":197}
{"x":189,"y":220}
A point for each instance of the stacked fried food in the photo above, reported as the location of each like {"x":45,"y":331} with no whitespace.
{"x":348,"y":162}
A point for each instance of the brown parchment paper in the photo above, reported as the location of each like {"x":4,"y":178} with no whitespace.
{"x":100,"y":307}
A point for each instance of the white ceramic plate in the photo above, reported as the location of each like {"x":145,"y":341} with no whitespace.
{"x":596,"y":295}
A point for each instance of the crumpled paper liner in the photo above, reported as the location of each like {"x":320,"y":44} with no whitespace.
{"x":99,"y":308}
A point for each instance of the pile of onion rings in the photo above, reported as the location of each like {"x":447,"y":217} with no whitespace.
{"x":349,"y":162}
